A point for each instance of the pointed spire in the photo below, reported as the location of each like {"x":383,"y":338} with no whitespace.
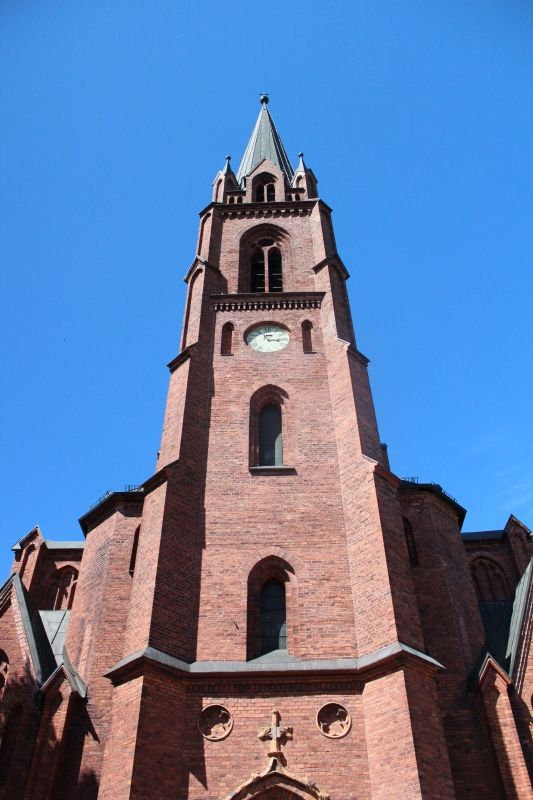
{"x":264,"y":142}
{"x":301,"y":164}
{"x":227,"y":166}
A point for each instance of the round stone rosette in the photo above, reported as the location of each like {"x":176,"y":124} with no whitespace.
{"x":215,"y":723}
{"x":333,"y":720}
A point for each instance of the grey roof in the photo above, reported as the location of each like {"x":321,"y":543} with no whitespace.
{"x":264,"y":142}
{"x":55,"y":625}
{"x":58,"y":545}
{"x":474,"y":535}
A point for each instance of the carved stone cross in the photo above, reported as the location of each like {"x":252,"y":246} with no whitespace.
{"x":276,"y":734}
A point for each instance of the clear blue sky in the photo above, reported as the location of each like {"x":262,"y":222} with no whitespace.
{"x":417,"y":118}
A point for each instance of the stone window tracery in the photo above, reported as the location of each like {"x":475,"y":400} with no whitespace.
{"x":62,"y":589}
{"x":489,"y":580}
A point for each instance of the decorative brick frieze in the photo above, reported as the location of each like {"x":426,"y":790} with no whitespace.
{"x":267,"y":302}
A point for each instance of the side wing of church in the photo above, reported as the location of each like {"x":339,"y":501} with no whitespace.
{"x":273,"y":614}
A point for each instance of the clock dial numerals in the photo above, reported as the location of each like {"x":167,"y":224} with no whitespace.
{"x":267,"y":338}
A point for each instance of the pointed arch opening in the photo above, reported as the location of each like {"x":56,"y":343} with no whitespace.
{"x":410,"y":542}
{"x":307,"y":336}
{"x":264,"y":260}
{"x":490,"y":581}
{"x":268,"y":419}
{"x":264,"y":188}
{"x":134,"y":548}
{"x":62,"y":589}
{"x":226,"y":339}
{"x":272,"y":608}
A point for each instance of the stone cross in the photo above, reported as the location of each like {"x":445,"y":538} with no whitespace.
{"x":276,"y":734}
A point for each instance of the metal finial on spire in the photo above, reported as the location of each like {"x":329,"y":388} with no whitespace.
{"x":300,"y":155}
{"x":263,"y":99}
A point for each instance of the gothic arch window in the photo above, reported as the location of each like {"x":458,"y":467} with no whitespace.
{"x":307,"y":336}
{"x":272,"y":602}
{"x":489,"y":580}
{"x":267,"y":423}
{"x":4,"y":670}
{"x":226,"y":339}
{"x":410,"y":542}
{"x":273,"y":614}
{"x":264,"y":260}
{"x":134,"y":548}
{"x":218,"y":190}
{"x":62,"y":589}
{"x":270,"y":438}
{"x":9,"y":742}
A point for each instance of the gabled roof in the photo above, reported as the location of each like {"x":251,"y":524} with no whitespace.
{"x":45,"y":634}
{"x":265,"y":142}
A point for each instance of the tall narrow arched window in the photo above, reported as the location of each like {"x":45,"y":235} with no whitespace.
{"x":4,"y":669}
{"x":270,"y":193}
{"x":258,"y":271}
{"x":226,"y":340}
{"x":275,"y":278}
{"x":134,"y":547}
{"x":270,"y":438}
{"x":273,"y":617}
{"x":260,"y":193}
{"x":307,"y":336}
{"x":9,"y":742}
{"x":410,"y":542}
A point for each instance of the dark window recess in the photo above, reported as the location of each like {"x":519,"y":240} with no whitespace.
{"x":260,"y":194}
{"x":270,"y":440}
{"x":258,"y":271}
{"x":410,"y":542}
{"x":275,"y":280}
{"x":134,"y":548}
{"x":307,"y":336}
{"x":270,"y":193}
{"x":273,"y":617}
{"x":226,"y":341}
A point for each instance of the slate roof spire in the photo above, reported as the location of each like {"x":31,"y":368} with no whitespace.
{"x":264,"y":142}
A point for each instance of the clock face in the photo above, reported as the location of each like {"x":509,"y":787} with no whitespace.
{"x":267,"y":338}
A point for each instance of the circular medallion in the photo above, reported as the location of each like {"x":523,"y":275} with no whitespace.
{"x":267,"y":338}
{"x":215,"y":723}
{"x":333,"y":721}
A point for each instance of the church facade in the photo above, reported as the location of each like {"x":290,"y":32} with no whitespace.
{"x":273,"y":614}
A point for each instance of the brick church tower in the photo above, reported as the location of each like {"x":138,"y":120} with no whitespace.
{"x":273,"y":614}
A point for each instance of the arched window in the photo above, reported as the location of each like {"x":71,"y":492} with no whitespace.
{"x":226,"y":339}
{"x":270,"y":193}
{"x":271,"y":279}
{"x":260,"y":193}
{"x":9,"y":742}
{"x":264,"y":188}
{"x":273,"y":617}
{"x":4,"y":669}
{"x":270,"y":438}
{"x":489,"y":580}
{"x":410,"y":542}
{"x":307,"y":336}
{"x":134,"y":547}
{"x":62,"y":589}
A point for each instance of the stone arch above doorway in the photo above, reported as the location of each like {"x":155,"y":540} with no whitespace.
{"x":276,"y":783}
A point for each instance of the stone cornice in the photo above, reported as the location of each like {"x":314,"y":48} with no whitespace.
{"x":266,"y":301}
{"x":365,"y":668}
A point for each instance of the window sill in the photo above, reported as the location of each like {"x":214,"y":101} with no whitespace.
{"x":272,"y":470}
